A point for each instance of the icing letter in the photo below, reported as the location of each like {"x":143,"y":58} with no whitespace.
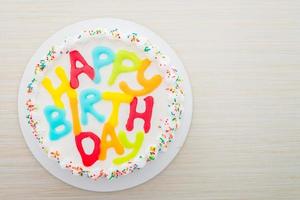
{"x":88,"y":159}
{"x":75,"y":57}
{"x":119,"y":67}
{"x":116,"y":98}
{"x":64,"y":87}
{"x":148,"y":85}
{"x":56,"y":119}
{"x":146,"y":116}
{"x":56,"y":94}
{"x":108,"y":130}
{"x":88,"y":98}
{"x":101,"y":62}
{"x":135,"y":146}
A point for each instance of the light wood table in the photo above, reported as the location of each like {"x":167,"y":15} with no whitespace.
{"x":243,"y":58}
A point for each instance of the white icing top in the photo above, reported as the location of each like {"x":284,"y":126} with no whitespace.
{"x":167,"y":109}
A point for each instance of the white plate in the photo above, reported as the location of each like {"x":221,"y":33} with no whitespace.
{"x":152,"y":168}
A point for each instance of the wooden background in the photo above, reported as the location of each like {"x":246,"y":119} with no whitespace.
{"x":243,"y":61}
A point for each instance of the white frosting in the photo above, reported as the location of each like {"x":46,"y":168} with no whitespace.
{"x":166,"y":114}
{"x":66,"y":145}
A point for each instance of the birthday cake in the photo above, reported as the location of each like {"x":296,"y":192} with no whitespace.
{"x":103,"y":103}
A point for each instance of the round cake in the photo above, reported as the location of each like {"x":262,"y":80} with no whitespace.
{"x":104,"y":102}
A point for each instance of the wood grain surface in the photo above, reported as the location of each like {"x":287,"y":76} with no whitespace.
{"x":243,"y":61}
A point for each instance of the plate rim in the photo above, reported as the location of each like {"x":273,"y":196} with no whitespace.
{"x":153,"y":168}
